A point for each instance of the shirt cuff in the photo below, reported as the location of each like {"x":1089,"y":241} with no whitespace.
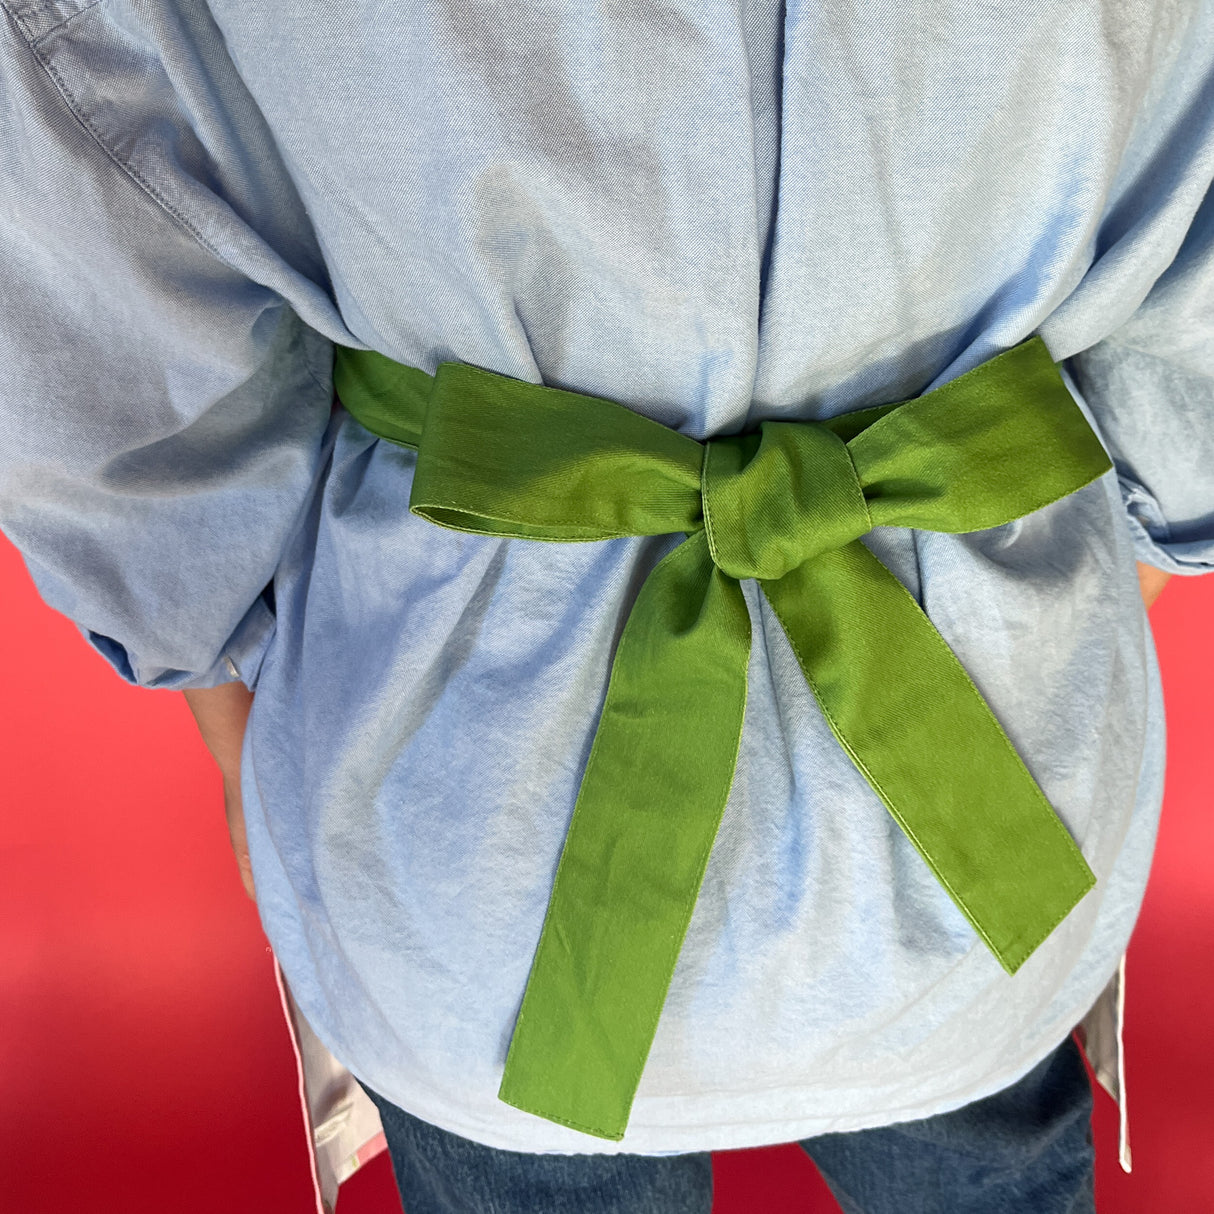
{"x":1153,"y":542}
{"x":240,"y":660}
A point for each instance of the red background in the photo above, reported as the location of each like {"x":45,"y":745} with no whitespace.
{"x":144,"y":1060}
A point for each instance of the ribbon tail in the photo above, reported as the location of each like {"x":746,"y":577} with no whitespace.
{"x":912,"y":721}
{"x":646,"y":816}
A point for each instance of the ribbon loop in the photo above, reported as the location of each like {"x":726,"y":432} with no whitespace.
{"x":496,"y":458}
{"x":779,"y":496}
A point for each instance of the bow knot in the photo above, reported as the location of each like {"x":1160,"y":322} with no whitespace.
{"x":779,"y":496}
{"x":784,"y":504}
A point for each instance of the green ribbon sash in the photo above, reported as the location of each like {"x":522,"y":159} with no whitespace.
{"x":785,"y":504}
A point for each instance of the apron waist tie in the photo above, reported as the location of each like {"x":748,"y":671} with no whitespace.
{"x":785,"y":504}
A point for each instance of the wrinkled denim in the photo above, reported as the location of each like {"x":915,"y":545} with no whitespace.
{"x":714,"y":214}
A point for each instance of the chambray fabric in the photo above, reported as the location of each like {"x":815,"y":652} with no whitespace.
{"x":1026,"y":1149}
{"x":713,"y":214}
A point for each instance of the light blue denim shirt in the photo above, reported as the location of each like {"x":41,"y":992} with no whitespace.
{"x":714,"y":214}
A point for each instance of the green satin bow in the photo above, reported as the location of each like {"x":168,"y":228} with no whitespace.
{"x":785,"y":504}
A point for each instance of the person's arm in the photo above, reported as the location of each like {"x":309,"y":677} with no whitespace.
{"x":164,"y":355}
{"x":164,"y":400}
{"x":221,"y":714}
{"x":1151,"y":582}
{"x":1149,"y":383}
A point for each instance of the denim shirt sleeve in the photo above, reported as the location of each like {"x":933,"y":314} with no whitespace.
{"x":164,"y":408}
{"x":1150,"y":385}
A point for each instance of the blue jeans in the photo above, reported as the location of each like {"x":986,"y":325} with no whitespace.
{"x":1024,"y":1150}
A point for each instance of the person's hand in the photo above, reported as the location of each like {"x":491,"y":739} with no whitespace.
{"x":221,"y":714}
{"x":1151,"y":581}
{"x":233,"y":807}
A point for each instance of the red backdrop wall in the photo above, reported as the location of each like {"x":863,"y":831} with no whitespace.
{"x":144,"y":1063}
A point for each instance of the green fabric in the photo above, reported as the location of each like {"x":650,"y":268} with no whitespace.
{"x":785,"y":504}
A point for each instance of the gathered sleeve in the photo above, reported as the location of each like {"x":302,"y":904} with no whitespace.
{"x":163,"y":405}
{"x":1150,"y":386}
